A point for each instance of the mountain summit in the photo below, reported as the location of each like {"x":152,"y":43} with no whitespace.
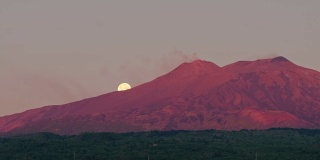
{"x":279,"y":59}
{"x":194,"y":69}
{"x":276,"y":63}
{"x":199,"y":95}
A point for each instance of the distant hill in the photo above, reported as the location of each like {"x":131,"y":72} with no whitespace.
{"x":199,"y":95}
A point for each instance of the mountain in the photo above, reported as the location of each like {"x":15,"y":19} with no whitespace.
{"x":200,"y":95}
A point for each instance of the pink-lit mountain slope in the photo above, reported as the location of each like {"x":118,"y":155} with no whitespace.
{"x":195,"y":96}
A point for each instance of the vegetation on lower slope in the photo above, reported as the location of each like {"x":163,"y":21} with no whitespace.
{"x":269,"y":144}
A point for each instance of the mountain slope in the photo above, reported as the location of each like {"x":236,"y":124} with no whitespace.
{"x":199,"y":95}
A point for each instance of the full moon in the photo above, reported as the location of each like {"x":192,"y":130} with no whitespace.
{"x":124,"y":86}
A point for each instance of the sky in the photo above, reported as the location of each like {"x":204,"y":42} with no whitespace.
{"x":55,"y":52}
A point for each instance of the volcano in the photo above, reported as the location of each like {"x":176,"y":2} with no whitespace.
{"x":261,"y":94}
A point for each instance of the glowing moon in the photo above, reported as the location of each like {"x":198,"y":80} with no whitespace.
{"x":124,"y":86}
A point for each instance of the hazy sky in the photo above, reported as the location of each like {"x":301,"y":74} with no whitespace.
{"x":58,"y":51}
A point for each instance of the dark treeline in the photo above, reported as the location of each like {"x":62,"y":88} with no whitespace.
{"x":269,"y":144}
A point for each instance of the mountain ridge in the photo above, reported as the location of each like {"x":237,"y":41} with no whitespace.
{"x":194,"y":96}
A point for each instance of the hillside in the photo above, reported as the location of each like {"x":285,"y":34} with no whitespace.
{"x":199,"y":95}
